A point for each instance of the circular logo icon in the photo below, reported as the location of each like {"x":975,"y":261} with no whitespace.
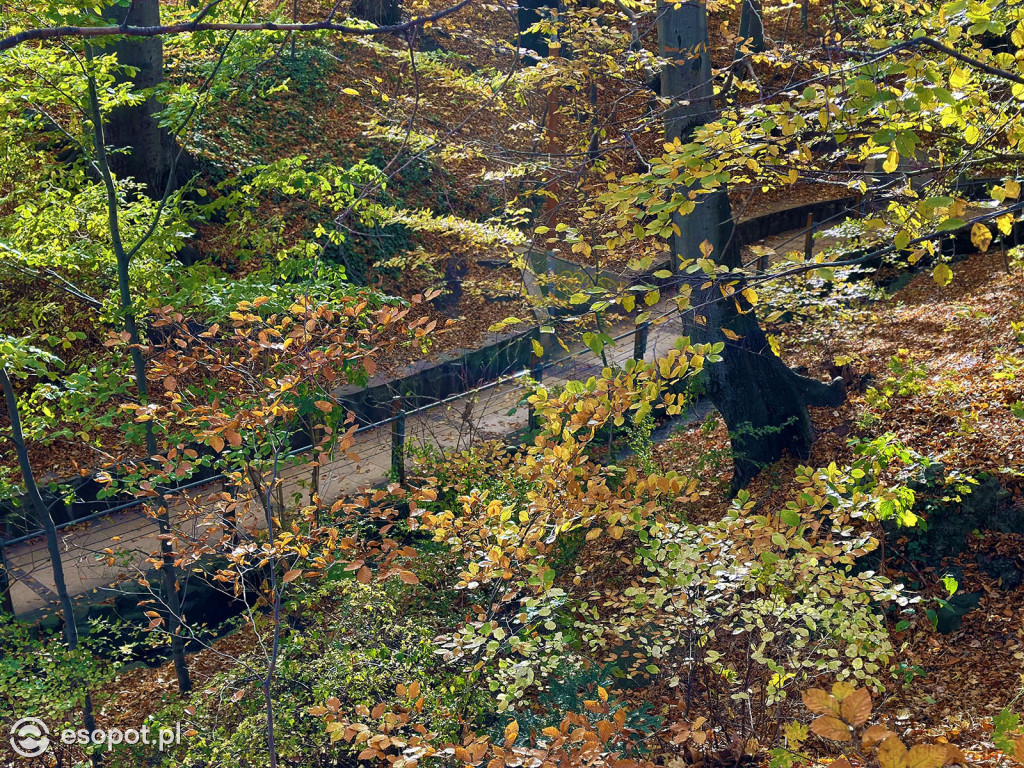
{"x":30,"y":737}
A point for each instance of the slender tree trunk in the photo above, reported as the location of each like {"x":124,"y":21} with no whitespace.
{"x":151,"y":150}
{"x":168,"y":571}
{"x":764,"y":403}
{"x":751,"y":27}
{"x":42,"y":513}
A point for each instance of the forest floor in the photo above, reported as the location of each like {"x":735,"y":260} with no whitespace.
{"x":952,"y":362}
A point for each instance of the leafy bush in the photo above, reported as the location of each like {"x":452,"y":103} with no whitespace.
{"x":40,"y":677}
{"x":347,"y":641}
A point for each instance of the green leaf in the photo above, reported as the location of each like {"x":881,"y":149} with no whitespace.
{"x":949,"y":225}
{"x":790,"y":517}
{"x":593,"y":341}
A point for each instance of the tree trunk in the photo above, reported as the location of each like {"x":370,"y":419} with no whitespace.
{"x":42,"y":513}
{"x":150,"y":151}
{"x":764,"y":403}
{"x":123,"y":258}
{"x":751,"y":27}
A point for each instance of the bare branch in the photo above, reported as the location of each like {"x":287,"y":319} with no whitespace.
{"x":165,"y":30}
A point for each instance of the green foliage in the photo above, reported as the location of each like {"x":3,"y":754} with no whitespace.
{"x":344,"y":640}
{"x":40,"y":677}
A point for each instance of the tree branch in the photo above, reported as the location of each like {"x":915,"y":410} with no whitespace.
{"x":54,"y":33}
{"x":931,"y":42}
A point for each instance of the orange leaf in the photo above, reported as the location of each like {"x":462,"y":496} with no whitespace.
{"x":876,"y":734}
{"x":363,"y":575}
{"x":511,"y":732}
{"x":291,"y":576}
{"x":408,"y":577}
{"x":829,"y":727}
{"x":170,"y":383}
{"x":217,"y":443}
{"x":820,"y":702}
{"x":856,"y":708}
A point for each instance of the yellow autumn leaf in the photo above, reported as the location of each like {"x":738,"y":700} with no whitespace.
{"x":892,"y":754}
{"x":981,"y":236}
{"x":926,"y":756}
{"x":892,"y":161}
{"x":942,"y":275}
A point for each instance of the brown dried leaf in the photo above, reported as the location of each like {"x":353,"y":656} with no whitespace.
{"x":829,"y":727}
{"x":876,"y":734}
{"x":926,"y":756}
{"x":953,"y":755}
{"x":892,"y":754}
{"x":511,"y":732}
{"x":820,"y":702}
{"x":856,"y":708}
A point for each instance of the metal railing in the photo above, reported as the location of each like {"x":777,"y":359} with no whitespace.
{"x":492,"y":410}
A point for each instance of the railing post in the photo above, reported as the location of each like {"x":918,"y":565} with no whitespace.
{"x":398,"y":439}
{"x":640,"y":341}
{"x":231,"y":514}
{"x":809,"y":238}
{"x":537,"y":374}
